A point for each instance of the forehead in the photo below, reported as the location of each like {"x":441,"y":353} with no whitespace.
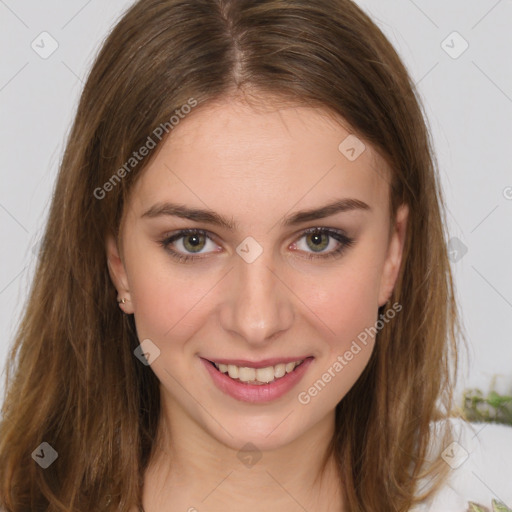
{"x":232,"y":153}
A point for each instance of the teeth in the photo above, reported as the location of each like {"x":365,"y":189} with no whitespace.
{"x":233,"y":371}
{"x":257,"y":375}
{"x":246,"y":374}
{"x":265,"y":374}
{"x":289,"y":367}
{"x":279,"y":370}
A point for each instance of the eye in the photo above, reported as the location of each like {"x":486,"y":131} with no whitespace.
{"x":319,"y":239}
{"x":191,"y":242}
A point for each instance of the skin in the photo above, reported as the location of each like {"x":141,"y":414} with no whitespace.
{"x":254,"y":166}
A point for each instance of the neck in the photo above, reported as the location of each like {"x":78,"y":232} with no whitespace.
{"x":192,"y":471}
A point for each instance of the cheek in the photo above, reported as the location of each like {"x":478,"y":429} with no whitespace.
{"x":347,"y":303}
{"x":347,"y":300}
{"x":165,"y":298}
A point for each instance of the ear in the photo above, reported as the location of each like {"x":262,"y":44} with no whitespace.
{"x":118,"y":273}
{"x":394,"y":255}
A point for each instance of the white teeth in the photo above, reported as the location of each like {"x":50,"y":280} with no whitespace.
{"x":257,"y":375}
{"x":289,"y":367}
{"x":265,"y":374}
{"x":279,"y":370}
{"x":246,"y":374}
{"x":233,"y":371}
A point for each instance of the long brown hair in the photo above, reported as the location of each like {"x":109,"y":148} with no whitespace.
{"x":72,"y":379}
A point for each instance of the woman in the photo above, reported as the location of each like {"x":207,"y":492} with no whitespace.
{"x":243,"y":298}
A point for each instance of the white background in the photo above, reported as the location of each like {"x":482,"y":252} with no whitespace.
{"x":468,"y":101}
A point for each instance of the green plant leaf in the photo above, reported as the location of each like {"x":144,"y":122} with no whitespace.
{"x":474,"y":507}
{"x":498,"y":506}
{"x":494,"y":408}
{"x":497,"y":400}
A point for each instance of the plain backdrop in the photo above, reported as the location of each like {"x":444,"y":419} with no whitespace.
{"x":458,"y":53}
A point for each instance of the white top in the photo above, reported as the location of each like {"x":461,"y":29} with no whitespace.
{"x":481,"y":468}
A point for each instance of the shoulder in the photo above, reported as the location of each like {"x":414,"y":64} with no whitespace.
{"x":480,"y":461}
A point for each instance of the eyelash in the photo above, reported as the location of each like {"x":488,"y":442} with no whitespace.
{"x":344,"y":240}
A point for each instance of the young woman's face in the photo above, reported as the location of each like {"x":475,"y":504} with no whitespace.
{"x":267,"y":275}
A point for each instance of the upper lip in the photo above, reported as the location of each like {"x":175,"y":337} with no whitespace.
{"x":259,"y":364}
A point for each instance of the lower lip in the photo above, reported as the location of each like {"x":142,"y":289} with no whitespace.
{"x":255,"y":393}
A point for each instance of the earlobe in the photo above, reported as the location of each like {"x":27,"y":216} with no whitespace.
{"x":118,"y":274}
{"x":394,"y":256}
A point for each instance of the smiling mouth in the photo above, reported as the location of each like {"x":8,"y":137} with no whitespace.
{"x":257,"y":376}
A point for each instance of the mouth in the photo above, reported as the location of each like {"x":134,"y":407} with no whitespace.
{"x":256,"y":374}
{"x":257,"y":382}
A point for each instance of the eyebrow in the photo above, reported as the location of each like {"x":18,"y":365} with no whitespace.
{"x":211,"y":217}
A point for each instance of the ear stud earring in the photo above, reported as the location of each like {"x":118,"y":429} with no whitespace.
{"x":124,"y":300}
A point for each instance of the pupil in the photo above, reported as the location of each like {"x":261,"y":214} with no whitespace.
{"x":316,"y":241}
{"x":317,"y":238}
{"x":193,"y":242}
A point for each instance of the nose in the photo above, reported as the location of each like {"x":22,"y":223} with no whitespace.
{"x":258,"y":305}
